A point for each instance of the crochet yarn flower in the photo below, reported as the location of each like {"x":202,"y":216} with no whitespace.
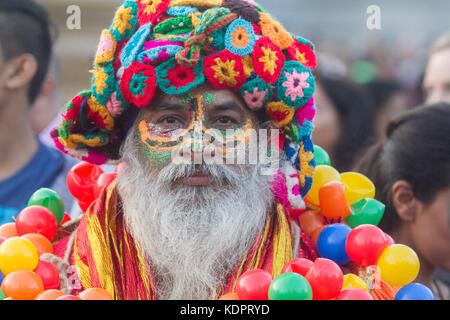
{"x":275,"y":32}
{"x":240,"y":38}
{"x":304,"y":53}
{"x":138,"y":84}
{"x":306,"y":164}
{"x":268,"y":60}
{"x":177,"y":25}
{"x":150,"y":10}
{"x":296,"y":84}
{"x":174,"y":78}
{"x":224,"y":70}
{"x":106,"y":48}
{"x":249,"y":70}
{"x":256,"y":93}
{"x":280,"y":113}
{"x":307,"y":112}
{"x":103,"y":82}
{"x":125,"y":21}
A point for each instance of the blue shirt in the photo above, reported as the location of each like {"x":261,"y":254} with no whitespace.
{"x":47,"y":169}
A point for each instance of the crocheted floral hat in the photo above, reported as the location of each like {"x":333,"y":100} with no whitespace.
{"x":177,"y":45}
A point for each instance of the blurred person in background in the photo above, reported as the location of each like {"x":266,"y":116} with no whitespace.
{"x":411,"y":172}
{"x":26,"y":164}
{"x":436,"y":82}
{"x":389,"y":101}
{"x":343,"y":120}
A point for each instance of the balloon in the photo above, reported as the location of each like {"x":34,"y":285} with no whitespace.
{"x":414,"y":291}
{"x":321,"y":156}
{"x":51,"y":294}
{"x":325,"y":278}
{"x":49,"y":199}
{"x":254,"y":285}
{"x":103,"y":181}
{"x":81,"y":180}
{"x":298,"y":265}
{"x":17,"y":254}
{"x":8,"y":230}
{"x":331,"y":243}
{"x":22,"y":285}
{"x":316,"y":234}
{"x":365,"y":244}
{"x":310,"y":221}
{"x":48,"y":273}
{"x":84,"y":206}
{"x":42,"y":244}
{"x":365,"y":211}
{"x":36,"y":219}
{"x":354,"y":294}
{"x":95,"y":294}
{"x":2,"y":295}
{"x":389,"y":240}
{"x":68,"y":297}
{"x":290,"y":286}
{"x":353,"y":281}
{"x":1,"y":277}
{"x":66,"y":219}
{"x":399,"y":265}
{"x":357,"y":187}
{"x":322,"y":175}
{"x":333,"y":204}
{"x":229,"y":296}
{"x":2,"y":239}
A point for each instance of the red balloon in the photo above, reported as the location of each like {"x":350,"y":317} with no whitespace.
{"x":49,"y":274}
{"x":389,"y":240}
{"x":299,"y":265}
{"x":36,"y":219}
{"x":103,"y":181}
{"x":254,"y":285}
{"x":84,"y":205}
{"x":81,"y":180}
{"x":66,"y":218}
{"x":68,"y":297}
{"x":354,"y":294}
{"x":326,"y":279}
{"x":364,"y":244}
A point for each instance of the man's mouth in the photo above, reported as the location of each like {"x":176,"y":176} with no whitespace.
{"x":199,"y":178}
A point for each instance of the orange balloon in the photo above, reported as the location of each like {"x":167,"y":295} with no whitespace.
{"x":8,"y":298}
{"x":8,"y":230}
{"x":22,"y":285}
{"x":51,"y":294}
{"x":42,"y":244}
{"x":332,"y":200}
{"x":229,"y":296}
{"x":316,"y":234}
{"x":95,"y":294}
{"x":310,"y":221}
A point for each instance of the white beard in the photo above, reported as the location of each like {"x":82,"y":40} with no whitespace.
{"x":193,"y":237}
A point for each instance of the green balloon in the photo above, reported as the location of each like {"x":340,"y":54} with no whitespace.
{"x":321,"y":156}
{"x":49,"y":199}
{"x":365,"y":211}
{"x":290,"y":286}
{"x":2,"y":295}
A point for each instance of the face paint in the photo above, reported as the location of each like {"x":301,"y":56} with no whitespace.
{"x":159,"y":144}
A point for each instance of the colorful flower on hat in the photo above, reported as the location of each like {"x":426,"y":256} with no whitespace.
{"x":106,"y":48}
{"x":280,"y":113}
{"x":196,"y":3}
{"x":135,"y":45}
{"x":240,"y":38}
{"x":307,"y":165}
{"x":275,"y":32}
{"x":268,"y":60}
{"x":125,"y":21}
{"x":177,"y":25}
{"x":296,"y":84}
{"x":256,"y":93}
{"x":224,"y":70}
{"x":174,"y":78}
{"x":304,"y":53}
{"x":247,"y":61}
{"x":181,"y":11}
{"x":138,"y":84}
{"x":150,"y":10}
{"x":99,"y":114}
{"x":244,"y":9}
{"x":307,"y":112}
{"x":103,"y":82}
{"x":114,"y":105}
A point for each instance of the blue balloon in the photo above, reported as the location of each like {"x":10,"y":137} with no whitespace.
{"x":1,"y":278}
{"x":331,"y":243}
{"x":414,"y":291}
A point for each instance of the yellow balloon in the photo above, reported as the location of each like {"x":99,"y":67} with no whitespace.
{"x":357,"y":187}
{"x":353,"y":281}
{"x":18,"y":254}
{"x":399,"y":265}
{"x":322,"y":175}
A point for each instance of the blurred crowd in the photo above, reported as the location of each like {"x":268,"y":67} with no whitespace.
{"x":358,"y":99}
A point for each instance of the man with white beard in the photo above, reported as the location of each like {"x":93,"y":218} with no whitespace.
{"x":179,"y":86}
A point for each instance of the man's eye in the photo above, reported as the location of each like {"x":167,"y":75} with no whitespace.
{"x":170,"y":123}
{"x":225,"y":121}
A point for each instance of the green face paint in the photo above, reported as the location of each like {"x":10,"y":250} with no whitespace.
{"x":210,"y":98}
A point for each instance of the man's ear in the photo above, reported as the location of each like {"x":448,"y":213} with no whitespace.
{"x":404,"y":201}
{"x":20,"y":71}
